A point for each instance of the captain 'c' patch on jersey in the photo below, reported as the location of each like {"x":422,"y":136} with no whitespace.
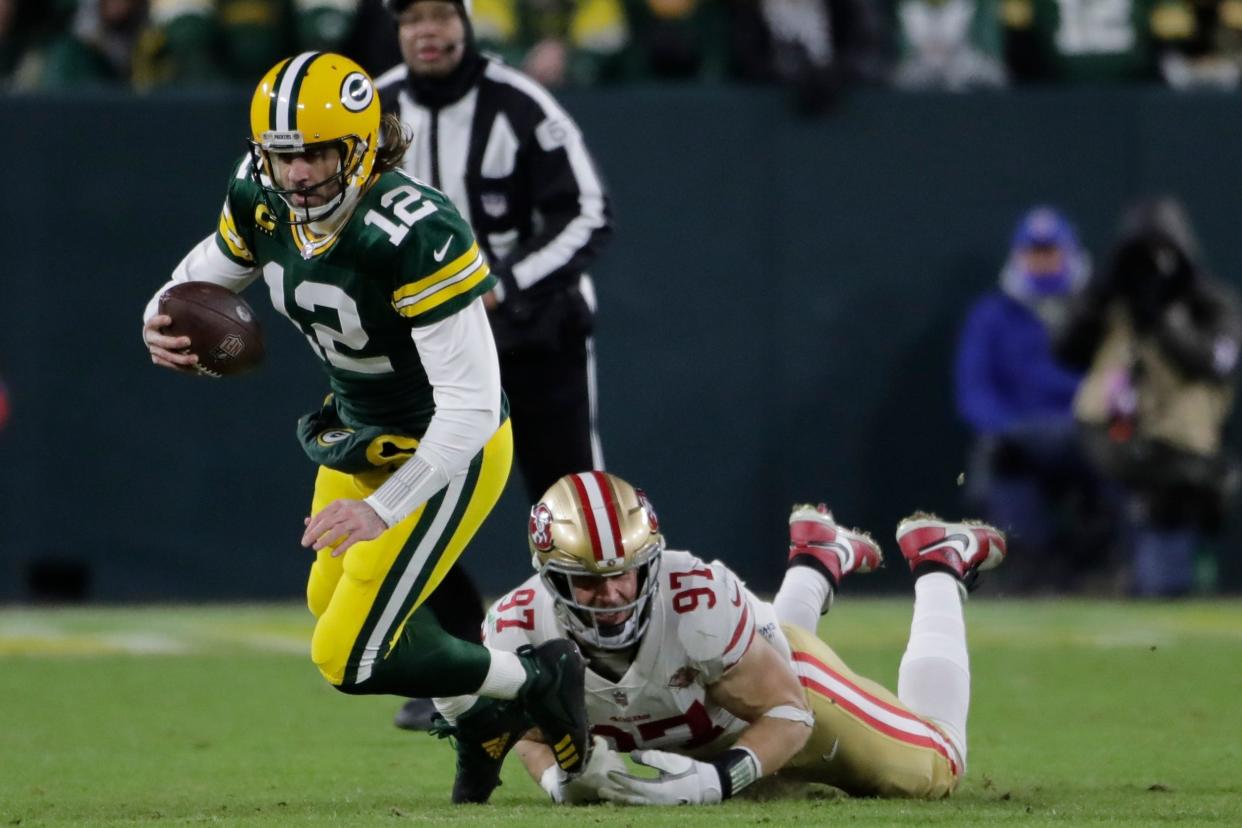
{"x":459,"y":276}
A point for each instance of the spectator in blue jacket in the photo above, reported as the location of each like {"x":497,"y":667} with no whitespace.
{"x":1018,"y":400}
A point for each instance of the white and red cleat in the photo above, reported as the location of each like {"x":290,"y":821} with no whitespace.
{"x":962,"y":548}
{"x":815,"y":540}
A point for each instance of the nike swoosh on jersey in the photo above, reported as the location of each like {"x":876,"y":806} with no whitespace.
{"x":959,"y":542}
{"x":440,"y":254}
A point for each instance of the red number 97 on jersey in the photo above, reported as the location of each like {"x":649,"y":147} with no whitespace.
{"x":525,"y":620}
{"x":687,"y":600}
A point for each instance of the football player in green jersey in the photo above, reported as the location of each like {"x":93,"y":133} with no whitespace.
{"x":384,"y":278}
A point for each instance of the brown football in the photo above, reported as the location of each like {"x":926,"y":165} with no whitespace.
{"x":223,"y":330}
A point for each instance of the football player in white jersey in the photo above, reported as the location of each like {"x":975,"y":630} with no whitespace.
{"x":714,"y":688}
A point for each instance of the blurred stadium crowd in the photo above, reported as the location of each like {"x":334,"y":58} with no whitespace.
{"x":817,"y":46}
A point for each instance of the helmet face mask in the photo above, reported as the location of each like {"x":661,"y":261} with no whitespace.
{"x":583,"y":620}
{"x":591,"y":527}
{"x":271,"y":168}
{"x":309,"y":106}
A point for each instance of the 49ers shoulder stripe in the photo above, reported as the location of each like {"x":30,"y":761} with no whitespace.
{"x":599,"y":511}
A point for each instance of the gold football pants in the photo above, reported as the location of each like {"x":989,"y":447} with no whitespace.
{"x":865,"y":741}
{"x":365,"y":598}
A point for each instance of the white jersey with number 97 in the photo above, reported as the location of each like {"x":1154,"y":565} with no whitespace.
{"x":703,"y":620}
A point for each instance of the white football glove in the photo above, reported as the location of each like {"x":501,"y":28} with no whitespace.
{"x":682,"y":781}
{"x":586,"y":786}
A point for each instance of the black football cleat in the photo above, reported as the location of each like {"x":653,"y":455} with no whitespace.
{"x":555,"y":698}
{"x":484,"y":735}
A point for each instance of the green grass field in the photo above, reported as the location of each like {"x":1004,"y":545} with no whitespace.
{"x":1083,"y":713}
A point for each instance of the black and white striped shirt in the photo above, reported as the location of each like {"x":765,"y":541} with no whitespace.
{"x":515,"y":164}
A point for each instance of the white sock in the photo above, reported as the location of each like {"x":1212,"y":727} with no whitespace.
{"x":453,"y":707}
{"x":505,"y":676}
{"x":804,"y":596}
{"x":934,"y":678}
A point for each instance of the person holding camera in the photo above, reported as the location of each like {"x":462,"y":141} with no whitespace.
{"x":1159,"y":339}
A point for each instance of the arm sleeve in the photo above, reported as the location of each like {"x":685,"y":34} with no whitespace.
{"x":459,"y":357}
{"x":569,"y":196}
{"x":205,"y":263}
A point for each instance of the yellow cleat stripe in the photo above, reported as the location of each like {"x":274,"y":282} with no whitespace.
{"x":496,"y":747}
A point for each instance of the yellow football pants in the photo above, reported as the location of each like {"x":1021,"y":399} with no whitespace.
{"x":865,"y":741}
{"x":364,"y":598}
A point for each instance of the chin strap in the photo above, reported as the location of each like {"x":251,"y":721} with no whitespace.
{"x":328,"y":218}
{"x":337,"y":218}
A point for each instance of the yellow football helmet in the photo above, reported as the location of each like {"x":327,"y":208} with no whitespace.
{"x":310,"y":102}
{"x":592,"y":525}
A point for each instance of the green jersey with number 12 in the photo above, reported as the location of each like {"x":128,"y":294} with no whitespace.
{"x":405,"y":258}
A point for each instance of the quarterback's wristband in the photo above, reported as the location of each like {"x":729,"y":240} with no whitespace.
{"x":409,"y":487}
{"x":738,"y":767}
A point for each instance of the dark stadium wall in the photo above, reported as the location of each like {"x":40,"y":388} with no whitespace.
{"x":779,"y":312}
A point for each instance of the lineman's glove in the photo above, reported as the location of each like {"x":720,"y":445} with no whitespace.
{"x":586,"y":786}
{"x":682,"y":781}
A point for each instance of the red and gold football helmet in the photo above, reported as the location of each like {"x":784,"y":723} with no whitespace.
{"x":593,"y":525}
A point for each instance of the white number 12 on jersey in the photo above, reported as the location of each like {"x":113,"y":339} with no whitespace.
{"x":312,"y":295}
{"x":400,"y":200}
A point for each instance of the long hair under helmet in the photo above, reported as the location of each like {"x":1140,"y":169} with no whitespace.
{"x":307,"y":102}
{"x":594,"y":524}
